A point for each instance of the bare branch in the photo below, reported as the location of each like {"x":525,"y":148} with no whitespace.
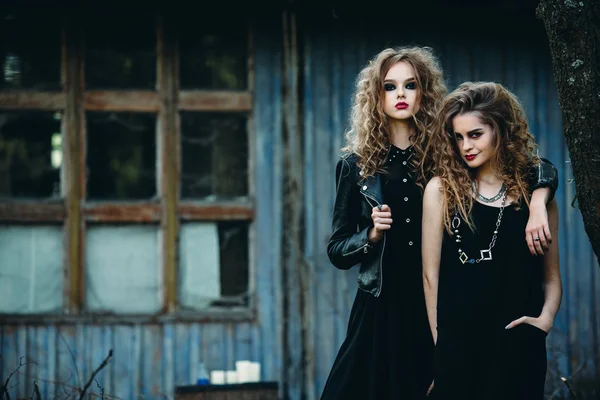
{"x":36,"y":392}
{"x":101,"y":389}
{"x":5,"y":388}
{"x":569,"y":387}
{"x":104,"y":363}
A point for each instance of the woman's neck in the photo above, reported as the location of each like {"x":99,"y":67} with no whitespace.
{"x":401,"y":131}
{"x":488,"y":181}
{"x":486,"y":175}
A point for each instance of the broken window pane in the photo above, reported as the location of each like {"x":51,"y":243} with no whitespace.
{"x":121,"y":155}
{"x":214,"y":55}
{"x":213,"y":264}
{"x":214,"y":155}
{"x":30,"y":51}
{"x":123,"y":272}
{"x":30,"y":154}
{"x":31,"y":269}
{"x":120,"y":51}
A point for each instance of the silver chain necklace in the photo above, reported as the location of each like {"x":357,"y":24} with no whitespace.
{"x":488,"y":199}
{"x":486,"y":255}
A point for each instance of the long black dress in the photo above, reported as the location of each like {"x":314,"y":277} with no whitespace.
{"x":388,"y":351}
{"x":476,"y":358}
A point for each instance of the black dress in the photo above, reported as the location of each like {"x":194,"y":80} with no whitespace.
{"x":475,"y":356}
{"x":388,"y":351}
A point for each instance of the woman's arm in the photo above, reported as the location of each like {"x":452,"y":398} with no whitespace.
{"x":552,"y":280}
{"x":347,"y":246}
{"x":431,"y":247}
{"x":543,"y":181}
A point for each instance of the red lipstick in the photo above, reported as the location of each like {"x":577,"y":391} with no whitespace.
{"x":401,"y":106}
{"x":470,"y":157}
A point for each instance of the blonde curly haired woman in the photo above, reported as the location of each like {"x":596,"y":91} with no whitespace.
{"x":490,"y":302}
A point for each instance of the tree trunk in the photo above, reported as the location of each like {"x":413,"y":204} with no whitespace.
{"x":573,"y":29}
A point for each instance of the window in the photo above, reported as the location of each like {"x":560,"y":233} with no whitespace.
{"x":127,"y":190}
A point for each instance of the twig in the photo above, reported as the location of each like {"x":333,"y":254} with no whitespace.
{"x":87,"y":385}
{"x":36,"y":391}
{"x":73,"y":389}
{"x":566,"y":382}
{"x":101,"y":389}
{"x":5,"y":387}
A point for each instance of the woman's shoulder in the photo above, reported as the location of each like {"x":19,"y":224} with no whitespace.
{"x":349,"y":158}
{"x":347,"y":161}
{"x":433,"y":189}
{"x":434,"y":184}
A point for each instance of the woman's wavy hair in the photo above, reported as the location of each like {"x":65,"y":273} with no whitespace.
{"x":515,"y":151}
{"x":369,"y":136}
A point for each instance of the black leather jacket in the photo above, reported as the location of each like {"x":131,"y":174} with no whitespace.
{"x":354,"y":201}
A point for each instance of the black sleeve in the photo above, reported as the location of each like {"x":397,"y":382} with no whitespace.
{"x":544,"y":174}
{"x":347,"y":245}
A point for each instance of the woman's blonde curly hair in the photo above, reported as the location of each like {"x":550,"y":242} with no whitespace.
{"x":369,"y":136}
{"x":515,"y":151}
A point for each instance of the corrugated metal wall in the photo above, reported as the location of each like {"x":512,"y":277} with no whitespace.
{"x":509,"y":49}
{"x":150,"y":359}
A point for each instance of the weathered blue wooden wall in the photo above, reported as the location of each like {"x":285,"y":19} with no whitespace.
{"x":151,"y":359}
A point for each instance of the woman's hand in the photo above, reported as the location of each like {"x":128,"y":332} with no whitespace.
{"x":542,"y":322}
{"x":537,"y":232}
{"x":382,"y":221}
{"x":430,"y":387}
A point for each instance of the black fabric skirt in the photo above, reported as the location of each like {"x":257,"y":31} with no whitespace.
{"x":491,"y":364}
{"x":388,"y":351}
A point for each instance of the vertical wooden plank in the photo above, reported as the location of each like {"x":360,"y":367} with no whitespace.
{"x":74,"y":160}
{"x":97,"y":352}
{"x":136,"y":375}
{"x":82,"y":352}
{"x":337,"y":126}
{"x":169,"y":148}
{"x":50,"y":389}
{"x":181,"y":353}
{"x":268,"y":182}
{"x":168,"y":361}
{"x":213,"y":343}
{"x":123,"y":362}
{"x":327,"y":276}
{"x":243,"y":342}
{"x":10,"y":357}
{"x":151,"y":362}
{"x":108,"y":340}
{"x":68,"y":373}
{"x":33,"y":356}
{"x":310,"y":196}
{"x":195,"y":358}
{"x":252,"y":146}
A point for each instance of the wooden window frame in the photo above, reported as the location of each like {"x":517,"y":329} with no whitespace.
{"x":74,"y":211}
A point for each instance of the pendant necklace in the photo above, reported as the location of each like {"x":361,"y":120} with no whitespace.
{"x":485,"y":255}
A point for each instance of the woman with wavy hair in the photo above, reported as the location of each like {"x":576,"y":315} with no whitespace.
{"x":388,"y":350}
{"x":490,"y":302}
